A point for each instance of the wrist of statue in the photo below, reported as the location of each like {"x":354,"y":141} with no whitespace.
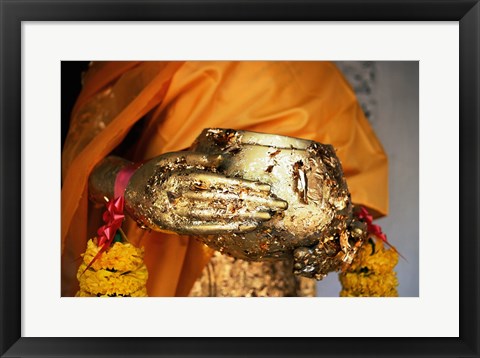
{"x":107,"y":180}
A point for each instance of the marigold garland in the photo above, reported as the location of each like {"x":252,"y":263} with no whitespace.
{"x":118,"y":272}
{"x":371,"y":273}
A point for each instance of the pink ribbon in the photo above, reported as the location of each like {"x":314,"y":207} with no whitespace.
{"x":375,"y":230}
{"x":113,"y":218}
{"x":122,"y":179}
{"x":371,"y":228}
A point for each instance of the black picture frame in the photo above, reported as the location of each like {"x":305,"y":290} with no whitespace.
{"x":13,"y":12}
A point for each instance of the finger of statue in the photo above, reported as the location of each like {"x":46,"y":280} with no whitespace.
{"x":212,"y":214}
{"x":190,"y":159}
{"x":216,"y":180}
{"x":250,"y":199}
{"x":218,"y":228}
{"x":270,"y":202}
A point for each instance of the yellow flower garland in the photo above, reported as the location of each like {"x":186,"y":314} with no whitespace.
{"x":371,"y":273}
{"x":119,"y":271}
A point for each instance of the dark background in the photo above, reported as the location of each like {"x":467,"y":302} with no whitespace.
{"x":71,"y":82}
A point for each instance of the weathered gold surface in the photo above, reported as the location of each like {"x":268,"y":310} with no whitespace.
{"x":306,"y":174}
{"x":183,"y":192}
{"x":318,"y":227}
{"x":253,"y":196}
{"x":225,"y":276}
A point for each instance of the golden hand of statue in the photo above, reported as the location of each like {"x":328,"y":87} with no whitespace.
{"x":182,"y":192}
{"x":226,"y":190}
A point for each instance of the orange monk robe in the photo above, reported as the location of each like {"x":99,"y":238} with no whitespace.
{"x":309,"y":100}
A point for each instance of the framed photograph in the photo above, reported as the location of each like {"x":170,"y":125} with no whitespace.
{"x":427,"y":51}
